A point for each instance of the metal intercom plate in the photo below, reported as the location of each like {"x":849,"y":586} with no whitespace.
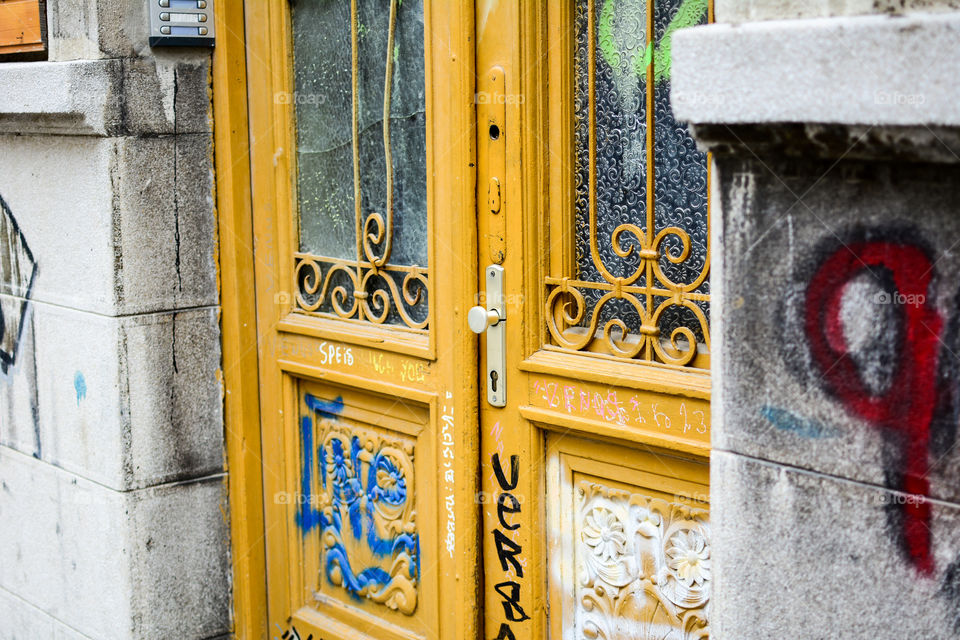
{"x":181,"y":23}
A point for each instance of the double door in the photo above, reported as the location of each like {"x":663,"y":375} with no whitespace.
{"x":481,"y":255}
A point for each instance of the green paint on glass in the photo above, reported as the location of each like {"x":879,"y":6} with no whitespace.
{"x":690,"y":13}
{"x":619,"y":17}
{"x":647,"y":59}
{"x":620,"y":31}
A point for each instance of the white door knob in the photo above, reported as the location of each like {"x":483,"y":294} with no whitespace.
{"x":479,"y":318}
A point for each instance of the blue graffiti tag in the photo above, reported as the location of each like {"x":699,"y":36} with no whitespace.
{"x":308,"y":516}
{"x":788,"y":421}
{"x":326,"y":408}
{"x":353,"y":493}
{"x":80,"y":386}
{"x":384,"y":483}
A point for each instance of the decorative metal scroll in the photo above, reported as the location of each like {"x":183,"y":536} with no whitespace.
{"x":362,"y":289}
{"x":641,"y":289}
{"x":368,"y":287}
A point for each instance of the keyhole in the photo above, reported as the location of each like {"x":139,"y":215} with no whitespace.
{"x":493,"y":380}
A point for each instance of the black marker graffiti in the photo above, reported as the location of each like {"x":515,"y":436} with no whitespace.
{"x":511,"y":601}
{"x":17,"y":272}
{"x":293,"y":634}
{"x":508,"y":550}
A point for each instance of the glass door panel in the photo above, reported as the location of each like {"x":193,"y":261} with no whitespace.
{"x":639,"y":288}
{"x":360,"y":104}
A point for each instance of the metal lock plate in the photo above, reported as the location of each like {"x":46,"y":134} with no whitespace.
{"x":181,"y":23}
{"x":496,"y":379}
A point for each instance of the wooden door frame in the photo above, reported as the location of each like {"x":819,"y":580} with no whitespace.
{"x":253,"y":174}
{"x":238,"y":323}
{"x":241,"y":378}
{"x":510,"y":42}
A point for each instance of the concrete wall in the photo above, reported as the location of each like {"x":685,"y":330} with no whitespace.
{"x":113,"y":505}
{"x":835,"y":478}
{"x":751,"y":10}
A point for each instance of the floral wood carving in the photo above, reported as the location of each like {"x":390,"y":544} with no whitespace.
{"x":368,"y":528}
{"x":642,"y":566}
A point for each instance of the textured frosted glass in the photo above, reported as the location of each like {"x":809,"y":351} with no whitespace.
{"x":680,"y":172}
{"x":621,"y":132}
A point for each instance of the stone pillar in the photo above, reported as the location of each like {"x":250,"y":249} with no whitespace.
{"x":113,"y":507}
{"x":835,"y":473}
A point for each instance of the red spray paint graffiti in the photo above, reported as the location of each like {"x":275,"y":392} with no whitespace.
{"x":907,"y":408}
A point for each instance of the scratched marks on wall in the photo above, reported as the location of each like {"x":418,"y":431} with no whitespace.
{"x":18,"y":268}
{"x":357,"y":488}
{"x":876,"y":345}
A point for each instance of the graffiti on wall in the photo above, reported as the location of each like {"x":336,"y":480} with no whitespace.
{"x":892,"y":368}
{"x":786,"y":420}
{"x":900,"y":396}
{"x":18,"y":268}
{"x":362,"y":503}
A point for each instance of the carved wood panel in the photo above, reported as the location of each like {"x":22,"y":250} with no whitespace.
{"x":630,"y":536}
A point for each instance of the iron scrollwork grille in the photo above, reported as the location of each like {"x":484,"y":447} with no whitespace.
{"x":366,"y":286}
{"x":641,"y":290}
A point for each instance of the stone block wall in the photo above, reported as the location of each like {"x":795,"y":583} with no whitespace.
{"x":113,"y":504}
{"x":835,"y":473}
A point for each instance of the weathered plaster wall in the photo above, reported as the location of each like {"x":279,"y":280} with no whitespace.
{"x":113,"y":507}
{"x":835,"y":478}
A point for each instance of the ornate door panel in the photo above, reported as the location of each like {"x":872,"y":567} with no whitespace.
{"x":363,"y":195}
{"x":595,"y":470}
{"x":630,"y":533}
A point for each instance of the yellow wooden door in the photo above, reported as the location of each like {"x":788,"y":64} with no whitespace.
{"x":361,"y":117}
{"x":407,"y":158}
{"x":593,"y":202}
